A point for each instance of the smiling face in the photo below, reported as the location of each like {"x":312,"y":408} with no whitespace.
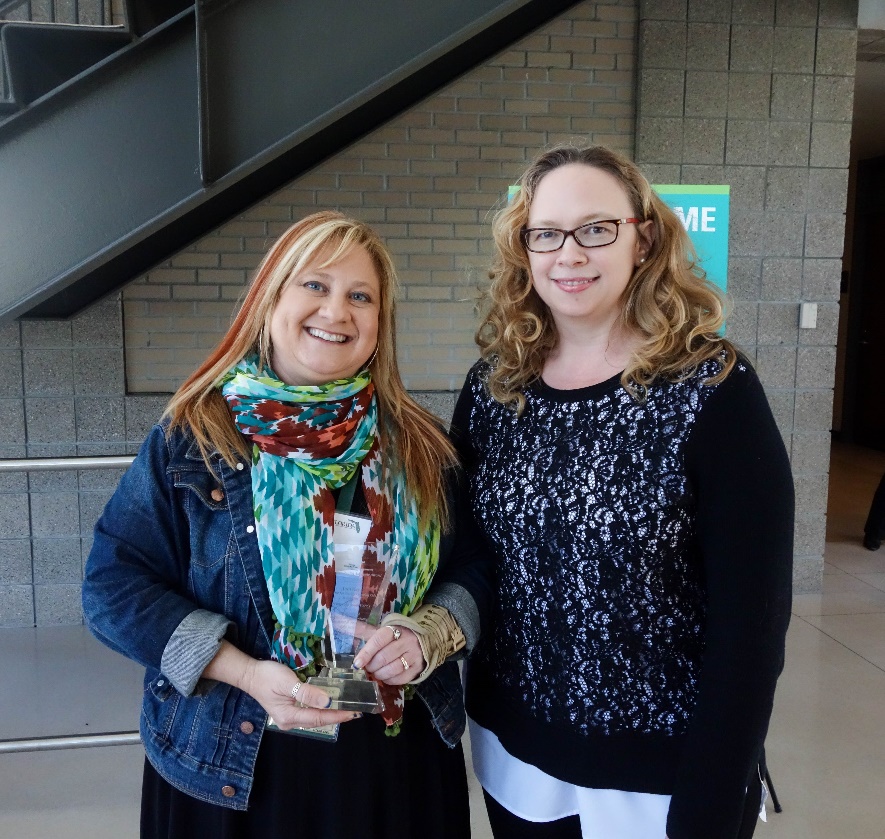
{"x":584,"y":286}
{"x":325,"y":323}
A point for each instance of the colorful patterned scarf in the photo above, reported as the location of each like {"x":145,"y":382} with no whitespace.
{"x":307,"y":441}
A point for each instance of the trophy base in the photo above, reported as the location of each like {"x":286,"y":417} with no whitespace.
{"x":350,"y":690}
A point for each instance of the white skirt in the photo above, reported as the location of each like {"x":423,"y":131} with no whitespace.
{"x":535,"y":796}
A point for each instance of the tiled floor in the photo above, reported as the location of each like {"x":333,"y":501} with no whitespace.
{"x":826,"y":746}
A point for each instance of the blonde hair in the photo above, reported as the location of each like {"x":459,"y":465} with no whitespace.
{"x":411,"y":436}
{"x":668,"y":303}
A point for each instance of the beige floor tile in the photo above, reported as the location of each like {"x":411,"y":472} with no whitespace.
{"x":877,"y":580}
{"x":826,"y":748}
{"x":864,"y":634}
{"x":843,"y":594}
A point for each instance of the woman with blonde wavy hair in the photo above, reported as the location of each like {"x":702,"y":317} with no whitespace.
{"x":627,"y":470}
{"x":292,"y":472}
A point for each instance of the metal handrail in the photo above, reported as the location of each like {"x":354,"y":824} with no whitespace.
{"x":59,"y":464}
{"x":46,"y":744}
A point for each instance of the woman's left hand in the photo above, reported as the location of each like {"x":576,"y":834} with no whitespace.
{"x":392,"y":655}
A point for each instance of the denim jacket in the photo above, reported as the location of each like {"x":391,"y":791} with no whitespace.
{"x":175,"y":567}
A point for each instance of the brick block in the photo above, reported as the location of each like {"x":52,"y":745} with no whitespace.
{"x":836,"y":52}
{"x":751,"y":48}
{"x":825,"y":235}
{"x":659,"y":140}
{"x":838,"y":13}
{"x":784,"y":234}
{"x":834,"y":98}
{"x":788,"y":143}
{"x":57,"y":561}
{"x":100,"y":420}
{"x":11,"y":383}
{"x":45,"y":334}
{"x":749,"y":95}
{"x":55,"y":514}
{"x":808,"y":574}
{"x":10,"y":335}
{"x":794,"y":49}
{"x":747,"y":142}
{"x":99,"y":371}
{"x":706,"y":94}
{"x":747,"y":233}
{"x":747,"y":186}
{"x":786,"y":189}
{"x":810,"y":453}
{"x":744,"y":277}
{"x":704,"y":140}
{"x":776,"y":367}
{"x":661,"y":93}
{"x":15,"y":562}
{"x":795,"y":13}
{"x":16,"y":605}
{"x":814,"y":411}
{"x":707,"y":47}
{"x":709,"y":11}
{"x":778,"y":324}
{"x":662,"y":45}
{"x":821,"y":279}
{"x":791,"y":96}
{"x":781,"y":279}
{"x":58,"y":605}
{"x":756,"y":12}
{"x":47,"y":372}
{"x":101,"y":325}
{"x":816,"y":367}
{"x":666,"y":10}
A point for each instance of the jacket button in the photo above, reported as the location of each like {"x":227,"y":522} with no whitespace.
{"x":228,"y":792}
{"x":249,"y":529}
{"x":247,"y":727}
{"x":240,"y":467}
{"x":217,"y":494}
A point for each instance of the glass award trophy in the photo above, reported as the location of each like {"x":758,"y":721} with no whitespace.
{"x":360,"y":590}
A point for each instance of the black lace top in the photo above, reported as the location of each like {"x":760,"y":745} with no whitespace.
{"x":643,"y":599}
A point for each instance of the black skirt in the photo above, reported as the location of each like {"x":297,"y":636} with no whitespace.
{"x":366,"y":785}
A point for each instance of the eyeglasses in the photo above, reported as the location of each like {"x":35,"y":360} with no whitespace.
{"x":596,"y":234}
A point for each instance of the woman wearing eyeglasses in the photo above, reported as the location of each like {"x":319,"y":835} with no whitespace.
{"x":626,"y":467}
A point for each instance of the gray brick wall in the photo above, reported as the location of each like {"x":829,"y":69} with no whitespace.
{"x":758,"y":95}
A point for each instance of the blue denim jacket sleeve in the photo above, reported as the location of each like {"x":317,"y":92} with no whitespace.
{"x":135,"y":591}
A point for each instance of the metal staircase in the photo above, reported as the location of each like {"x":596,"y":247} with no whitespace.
{"x":116,"y":154}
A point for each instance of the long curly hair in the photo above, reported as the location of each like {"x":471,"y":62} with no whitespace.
{"x":668,"y":303}
{"x":411,"y":436}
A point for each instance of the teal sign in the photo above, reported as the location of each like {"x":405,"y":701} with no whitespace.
{"x":704,"y":213}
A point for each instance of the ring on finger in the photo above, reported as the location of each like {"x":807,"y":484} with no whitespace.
{"x":294,"y":692}
{"x":402,"y":658}
{"x":396,"y":632}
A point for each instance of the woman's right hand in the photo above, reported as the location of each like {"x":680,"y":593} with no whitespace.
{"x":272,"y":685}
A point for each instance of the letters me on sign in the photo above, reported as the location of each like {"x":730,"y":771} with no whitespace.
{"x":704,"y":212}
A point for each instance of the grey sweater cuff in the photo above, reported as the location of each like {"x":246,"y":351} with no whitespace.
{"x":463,"y":609}
{"x":192,"y":646}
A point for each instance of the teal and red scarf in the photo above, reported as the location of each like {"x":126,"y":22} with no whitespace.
{"x":307,"y":441}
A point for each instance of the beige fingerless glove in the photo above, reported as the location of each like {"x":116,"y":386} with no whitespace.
{"x":438,"y":634}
